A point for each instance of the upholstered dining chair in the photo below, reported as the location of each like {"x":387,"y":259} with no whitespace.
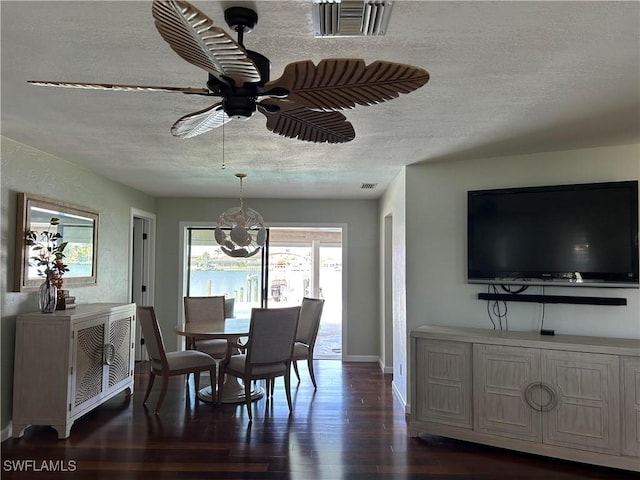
{"x":272,"y":332}
{"x":229,"y":307}
{"x":209,"y":310}
{"x":168,"y":364}
{"x":310,"y":313}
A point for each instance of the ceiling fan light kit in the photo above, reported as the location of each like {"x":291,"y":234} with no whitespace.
{"x":303,"y":103}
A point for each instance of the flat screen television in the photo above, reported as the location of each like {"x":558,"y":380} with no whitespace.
{"x":579,"y":235}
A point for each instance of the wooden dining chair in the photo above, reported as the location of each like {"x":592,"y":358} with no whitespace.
{"x":308,"y":325}
{"x":168,"y":364}
{"x":269,"y":347}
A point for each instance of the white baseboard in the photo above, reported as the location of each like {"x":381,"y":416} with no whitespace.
{"x":401,"y":399}
{"x":6,"y":432}
{"x":360,"y":358}
{"x":384,"y":368}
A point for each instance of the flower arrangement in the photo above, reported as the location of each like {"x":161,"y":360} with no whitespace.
{"x":48,"y":249}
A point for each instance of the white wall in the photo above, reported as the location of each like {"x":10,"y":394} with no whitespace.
{"x":437,"y":292}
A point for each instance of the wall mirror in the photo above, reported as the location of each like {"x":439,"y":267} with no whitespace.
{"x":78,"y":226}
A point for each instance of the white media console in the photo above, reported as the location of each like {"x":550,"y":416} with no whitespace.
{"x":570,"y":397}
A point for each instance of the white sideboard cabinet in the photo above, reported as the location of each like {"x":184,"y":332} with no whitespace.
{"x":570,"y":397}
{"x":69,"y":362}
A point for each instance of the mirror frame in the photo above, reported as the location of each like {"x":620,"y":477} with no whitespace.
{"x":26,"y":202}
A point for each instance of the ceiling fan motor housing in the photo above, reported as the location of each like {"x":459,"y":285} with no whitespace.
{"x":239,"y":107}
{"x":241,"y":18}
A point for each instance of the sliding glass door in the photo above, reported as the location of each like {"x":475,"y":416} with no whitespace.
{"x":295,"y":263}
{"x":211,"y":272}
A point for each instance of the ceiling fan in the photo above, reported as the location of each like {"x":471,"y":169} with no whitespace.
{"x":301,"y":104}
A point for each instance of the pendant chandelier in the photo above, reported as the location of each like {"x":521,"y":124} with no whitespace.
{"x":240,"y":230}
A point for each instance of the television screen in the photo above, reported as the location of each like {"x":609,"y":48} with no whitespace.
{"x":584,"y":234}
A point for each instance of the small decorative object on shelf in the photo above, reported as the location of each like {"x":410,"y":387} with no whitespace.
{"x":48,"y":249}
{"x":47,"y":296}
{"x":65,"y":301}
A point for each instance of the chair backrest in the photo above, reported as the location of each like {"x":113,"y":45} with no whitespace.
{"x":271,"y":335}
{"x":152,"y":335}
{"x":310,"y":313}
{"x":208,"y":310}
{"x":229,"y":307}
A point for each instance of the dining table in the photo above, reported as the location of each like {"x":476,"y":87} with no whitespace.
{"x":232,"y":330}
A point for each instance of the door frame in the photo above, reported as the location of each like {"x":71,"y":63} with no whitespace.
{"x":147,"y":271}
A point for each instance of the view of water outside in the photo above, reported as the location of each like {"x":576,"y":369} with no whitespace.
{"x":211,"y":272}
{"x":291,"y":279}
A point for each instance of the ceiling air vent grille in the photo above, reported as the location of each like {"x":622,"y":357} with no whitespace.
{"x":341,"y":18}
{"x":368,"y":186}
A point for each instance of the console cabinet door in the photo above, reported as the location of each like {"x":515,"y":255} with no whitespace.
{"x":88,"y":373}
{"x":119,"y":352}
{"x":444,"y":382}
{"x":587,"y":390}
{"x":501,"y":377}
{"x":630,"y":367}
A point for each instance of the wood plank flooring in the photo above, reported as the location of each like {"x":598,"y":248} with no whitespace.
{"x":351,"y":428}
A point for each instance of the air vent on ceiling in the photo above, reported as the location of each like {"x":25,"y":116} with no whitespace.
{"x":340,"y":18}
{"x":368,"y":186}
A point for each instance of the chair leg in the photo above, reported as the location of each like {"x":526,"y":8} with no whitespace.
{"x":247,"y":396}
{"x":295,"y":369}
{"x":287,"y":389}
{"x":311,"y":374}
{"x":152,"y":377}
{"x":196,"y":381}
{"x":163,"y":392}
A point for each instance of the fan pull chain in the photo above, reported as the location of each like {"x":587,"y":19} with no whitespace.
{"x":224,"y":165}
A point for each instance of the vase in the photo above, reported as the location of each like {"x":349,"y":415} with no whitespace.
{"x":47,"y":297}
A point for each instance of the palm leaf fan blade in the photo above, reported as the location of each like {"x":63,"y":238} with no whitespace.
{"x":200,"y":122}
{"x":336,"y":84}
{"x":297,"y":121}
{"x":194,"y":37}
{"x":120,"y":88}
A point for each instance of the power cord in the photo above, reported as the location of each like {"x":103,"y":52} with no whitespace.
{"x":542,"y":330}
{"x":494,"y":309}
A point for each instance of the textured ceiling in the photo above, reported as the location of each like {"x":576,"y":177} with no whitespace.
{"x":506,"y":78}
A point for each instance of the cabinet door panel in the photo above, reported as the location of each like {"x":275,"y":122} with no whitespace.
{"x":88,"y":363}
{"x":119,"y":356}
{"x":501,"y":376}
{"x":631,"y":406}
{"x":588,"y":404}
{"x":444,"y":382}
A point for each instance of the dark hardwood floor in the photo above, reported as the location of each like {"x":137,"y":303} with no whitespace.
{"x":351,"y":428}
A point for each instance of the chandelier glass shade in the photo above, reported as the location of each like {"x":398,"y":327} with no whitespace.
{"x":240,"y":231}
